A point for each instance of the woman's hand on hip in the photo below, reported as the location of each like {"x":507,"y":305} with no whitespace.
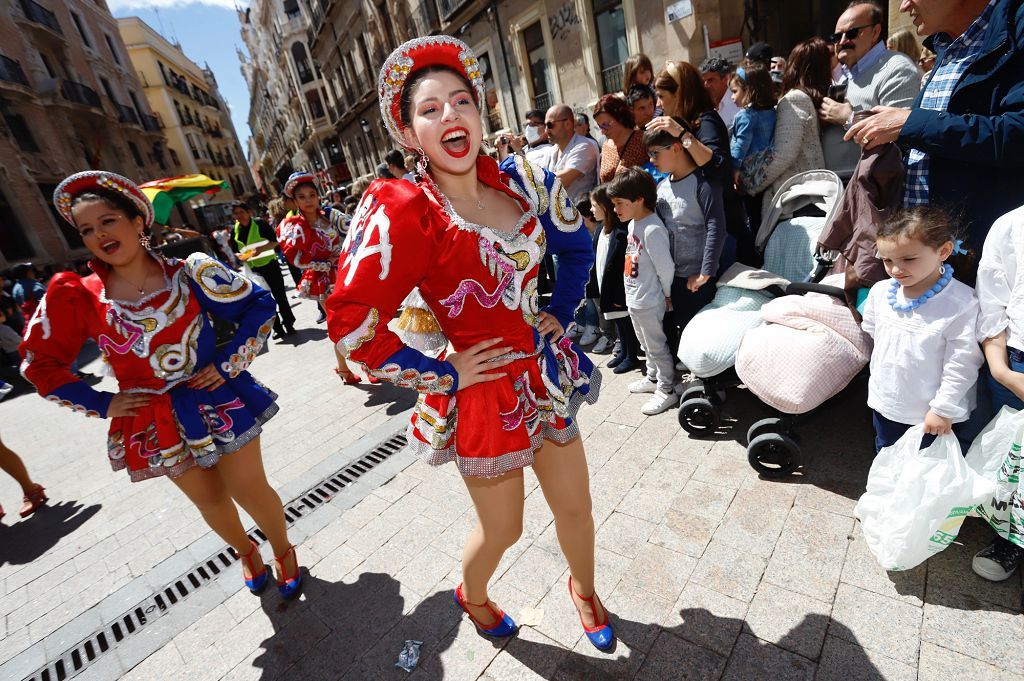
{"x":126,"y":404}
{"x":477,"y":364}
{"x":547,"y":324}
{"x":206,"y":378}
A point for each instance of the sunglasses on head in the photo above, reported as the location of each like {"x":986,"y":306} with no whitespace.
{"x":848,"y":34}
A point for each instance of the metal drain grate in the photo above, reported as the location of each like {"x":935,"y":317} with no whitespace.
{"x":155,"y":606}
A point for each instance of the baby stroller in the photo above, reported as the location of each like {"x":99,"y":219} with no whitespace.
{"x":808,"y":350}
{"x":788,"y":239}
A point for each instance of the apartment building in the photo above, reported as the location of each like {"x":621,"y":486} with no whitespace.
{"x":69,"y":101}
{"x":195,"y":118}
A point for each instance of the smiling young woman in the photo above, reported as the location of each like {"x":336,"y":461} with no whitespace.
{"x":470,"y":236}
{"x":184,"y":408}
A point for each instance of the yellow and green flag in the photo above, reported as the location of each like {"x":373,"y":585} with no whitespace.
{"x":171,"y":190}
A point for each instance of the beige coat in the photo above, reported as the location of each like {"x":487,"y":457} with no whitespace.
{"x":797,"y":144}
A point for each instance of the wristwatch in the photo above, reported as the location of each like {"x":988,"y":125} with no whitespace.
{"x":687,"y":140}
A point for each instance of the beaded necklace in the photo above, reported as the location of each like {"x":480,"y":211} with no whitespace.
{"x":945,"y":275}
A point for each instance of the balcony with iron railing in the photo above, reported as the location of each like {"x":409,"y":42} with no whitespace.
{"x":126,"y":114}
{"x":611,"y":79}
{"x":151,"y":123}
{"x":449,"y":7}
{"x":11,"y":72}
{"x":542,"y":101}
{"x":76,"y":92}
{"x":38,"y":14}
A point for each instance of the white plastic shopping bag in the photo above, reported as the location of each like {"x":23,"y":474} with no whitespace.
{"x":251,"y":275}
{"x":917,"y":499}
{"x":996,"y":456}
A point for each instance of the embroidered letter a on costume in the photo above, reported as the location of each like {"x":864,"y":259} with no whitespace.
{"x":370,"y":219}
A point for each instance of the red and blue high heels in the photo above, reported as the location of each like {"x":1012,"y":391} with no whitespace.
{"x":288,"y":587}
{"x":505,"y":626}
{"x":258,"y":581}
{"x":601,"y":635}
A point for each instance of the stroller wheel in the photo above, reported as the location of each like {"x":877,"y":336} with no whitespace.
{"x":693,"y":392}
{"x":698,"y":416}
{"x":773,"y":455}
{"x":763,"y":426}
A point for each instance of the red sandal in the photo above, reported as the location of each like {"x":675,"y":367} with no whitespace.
{"x":350,"y":377}
{"x":288,"y":587}
{"x":257,"y":583}
{"x":505,"y":626}
{"x":33,"y":501}
{"x":601,"y":635}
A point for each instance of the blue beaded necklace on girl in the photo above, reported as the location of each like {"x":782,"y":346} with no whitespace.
{"x":945,"y":275}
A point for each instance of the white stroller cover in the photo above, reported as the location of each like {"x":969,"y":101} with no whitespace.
{"x":809,"y":349}
{"x":709,"y":342}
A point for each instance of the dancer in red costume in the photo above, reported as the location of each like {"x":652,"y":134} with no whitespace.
{"x":470,"y":236}
{"x":311,"y":239}
{"x":185,"y":409}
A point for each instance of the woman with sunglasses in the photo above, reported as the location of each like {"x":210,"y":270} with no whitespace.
{"x":470,"y":236}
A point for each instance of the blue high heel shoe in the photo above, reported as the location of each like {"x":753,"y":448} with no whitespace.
{"x":602,"y":635}
{"x":258,"y":581}
{"x":506,"y":626}
{"x":288,"y":587}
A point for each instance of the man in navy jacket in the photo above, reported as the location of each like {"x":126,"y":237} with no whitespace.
{"x":973,"y":146}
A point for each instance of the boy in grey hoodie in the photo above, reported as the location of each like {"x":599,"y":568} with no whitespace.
{"x":648,"y":276}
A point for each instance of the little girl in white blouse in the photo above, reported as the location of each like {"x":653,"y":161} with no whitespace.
{"x":926,"y":358}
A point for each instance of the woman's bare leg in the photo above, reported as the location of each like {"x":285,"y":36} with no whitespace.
{"x":499,"y":511}
{"x":565,"y":480}
{"x":12,"y":464}
{"x":246,"y":482}
{"x":206,"y":490}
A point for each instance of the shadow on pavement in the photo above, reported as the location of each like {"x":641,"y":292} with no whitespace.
{"x":302,"y":336}
{"x":355,"y":630}
{"x":30,"y":538}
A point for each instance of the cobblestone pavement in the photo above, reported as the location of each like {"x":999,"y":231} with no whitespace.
{"x":709,"y":572}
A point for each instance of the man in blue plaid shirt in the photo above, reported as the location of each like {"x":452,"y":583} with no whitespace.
{"x":964,"y":135}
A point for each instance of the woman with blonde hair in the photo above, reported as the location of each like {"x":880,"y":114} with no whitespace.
{"x":906,"y":42}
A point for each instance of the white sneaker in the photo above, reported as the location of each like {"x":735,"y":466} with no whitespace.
{"x":643,"y":385}
{"x":589,"y":335}
{"x":574,"y":331}
{"x":601,"y":345}
{"x":659,"y":402}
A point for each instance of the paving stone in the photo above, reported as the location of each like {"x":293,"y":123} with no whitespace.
{"x":728,"y":473}
{"x":704,"y":500}
{"x":754,"y":660}
{"x":940,"y":664}
{"x":983,"y":631}
{"x":158,"y":666}
{"x":707,"y":618}
{"x":891,"y":627}
{"x":808,"y":557}
{"x":862,"y":569}
{"x":637,"y":615}
{"x":624,"y":534}
{"x":686,"y":449}
{"x":463,"y":655}
{"x":842,"y":660}
{"x":791,"y":621}
{"x":673,"y":658}
{"x":535,"y":571}
{"x":528,"y":656}
{"x":825,"y":493}
{"x":729,"y":571}
{"x":950,"y":570}
{"x":660,"y":571}
{"x":425,"y":570}
{"x":684,"y":532}
{"x":751,"y":525}
{"x":586,"y":662}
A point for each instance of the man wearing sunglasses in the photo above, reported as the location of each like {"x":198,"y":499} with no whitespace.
{"x":872,"y":75}
{"x":571,"y":157}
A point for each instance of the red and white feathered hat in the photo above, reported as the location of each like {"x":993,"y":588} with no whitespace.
{"x":416,"y":54}
{"x":89,"y":180}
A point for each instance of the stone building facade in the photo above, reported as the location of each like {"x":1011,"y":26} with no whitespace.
{"x":195,"y":118}
{"x":535,"y":52}
{"x":291,"y":115}
{"x":69,"y":101}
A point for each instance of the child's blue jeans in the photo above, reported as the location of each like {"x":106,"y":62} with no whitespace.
{"x":1001,"y":395}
